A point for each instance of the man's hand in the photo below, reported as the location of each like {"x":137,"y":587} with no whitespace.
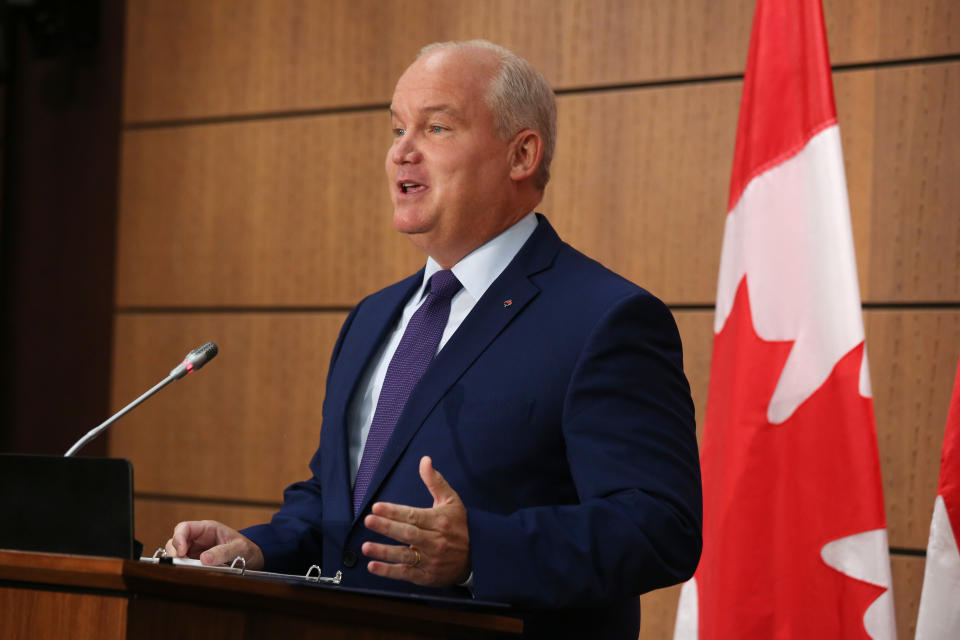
{"x":436,"y":543}
{"x":213,"y":543}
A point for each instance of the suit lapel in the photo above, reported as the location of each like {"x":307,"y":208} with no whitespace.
{"x":488,"y":318}
{"x":371,"y":325}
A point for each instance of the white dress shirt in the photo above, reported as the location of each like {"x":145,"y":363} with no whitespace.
{"x":476,"y":272}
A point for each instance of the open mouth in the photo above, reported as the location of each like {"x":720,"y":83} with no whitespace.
{"x":411,"y":187}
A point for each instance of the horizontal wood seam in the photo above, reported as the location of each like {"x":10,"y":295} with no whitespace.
{"x":227,"y":502}
{"x":693,"y":306}
{"x":139,"y":125}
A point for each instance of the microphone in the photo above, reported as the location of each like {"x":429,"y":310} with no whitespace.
{"x":192,"y":362}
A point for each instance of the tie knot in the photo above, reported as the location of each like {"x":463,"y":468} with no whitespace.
{"x":444,"y":284}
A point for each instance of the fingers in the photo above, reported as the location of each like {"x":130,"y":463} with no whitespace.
{"x":441,"y":566}
{"x":400,"y":572}
{"x":400,"y":563}
{"x":186,"y":535}
{"x":191,"y":538}
{"x":392,"y":553}
{"x":387,"y":522}
{"x":213,"y":543}
{"x":226,"y":553}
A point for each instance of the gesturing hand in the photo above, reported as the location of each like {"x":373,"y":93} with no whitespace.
{"x":213,"y":543}
{"x":436,"y":543}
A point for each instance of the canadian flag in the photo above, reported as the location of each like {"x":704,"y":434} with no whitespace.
{"x":795,"y":541}
{"x":939,"y":617}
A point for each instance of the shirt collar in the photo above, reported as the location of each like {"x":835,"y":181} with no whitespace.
{"x":478,"y":269}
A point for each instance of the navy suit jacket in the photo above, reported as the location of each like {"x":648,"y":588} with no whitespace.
{"x":559,"y":412}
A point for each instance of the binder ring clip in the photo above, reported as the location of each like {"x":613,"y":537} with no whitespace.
{"x":159,"y":553}
{"x":243,"y":564}
{"x":309,"y":577}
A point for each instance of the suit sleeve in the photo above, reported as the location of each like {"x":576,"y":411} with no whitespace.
{"x":292,"y":541}
{"x":629,"y":428}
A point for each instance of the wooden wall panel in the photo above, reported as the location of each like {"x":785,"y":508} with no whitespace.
{"x":155,"y":519}
{"x":907,"y":582}
{"x":279,"y":212}
{"x":913,"y":357}
{"x":877,"y":30}
{"x":226,"y":57}
{"x":245,"y":426}
{"x":917,"y":203}
{"x":219,"y":57}
{"x":658,"y":613}
{"x":854,"y":96}
{"x":640,"y":181}
{"x":696,"y":332}
{"x":295,"y":211}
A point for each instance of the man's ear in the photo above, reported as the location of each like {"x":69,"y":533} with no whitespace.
{"x":526,"y":152}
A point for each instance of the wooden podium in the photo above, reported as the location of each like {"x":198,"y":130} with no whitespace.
{"x":55,"y":596}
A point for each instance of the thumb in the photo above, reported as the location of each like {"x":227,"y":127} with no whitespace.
{"x":438,"y":487}
{"x":223,"y":553}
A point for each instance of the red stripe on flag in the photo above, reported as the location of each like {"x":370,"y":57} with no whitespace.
{"x":787,"y":92}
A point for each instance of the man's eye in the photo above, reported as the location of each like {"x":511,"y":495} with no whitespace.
{"x":437,"y":129}
{"x":399,"y":132}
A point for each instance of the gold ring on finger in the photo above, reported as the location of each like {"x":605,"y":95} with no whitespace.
{"x":416,"y":560}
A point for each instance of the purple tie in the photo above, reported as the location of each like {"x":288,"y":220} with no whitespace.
{"x":417,"y":348}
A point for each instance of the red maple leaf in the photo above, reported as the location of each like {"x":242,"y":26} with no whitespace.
{"x":775,"y":494}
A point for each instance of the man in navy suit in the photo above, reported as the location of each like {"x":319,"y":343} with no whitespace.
{"x":554,"y":401}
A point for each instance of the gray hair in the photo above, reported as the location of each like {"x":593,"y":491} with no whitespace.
{"x":519,"y":97}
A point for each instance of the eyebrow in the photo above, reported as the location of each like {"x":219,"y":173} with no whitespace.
{"x":435,"y":108}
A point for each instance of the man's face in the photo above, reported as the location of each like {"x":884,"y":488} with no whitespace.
{"x":447,"y":170}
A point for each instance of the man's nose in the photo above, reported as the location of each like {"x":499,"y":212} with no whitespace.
{"x":404,"y":150}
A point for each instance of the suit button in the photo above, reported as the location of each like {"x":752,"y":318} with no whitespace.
{"x":349,"y":559}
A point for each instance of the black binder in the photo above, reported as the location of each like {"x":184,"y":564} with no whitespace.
{"x":67,"y":505}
